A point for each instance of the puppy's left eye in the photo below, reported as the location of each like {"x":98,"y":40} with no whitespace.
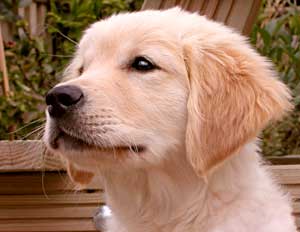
{"x":142,"y":64}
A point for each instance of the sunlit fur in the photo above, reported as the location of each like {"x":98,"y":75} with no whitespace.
{"x":198,"y":116}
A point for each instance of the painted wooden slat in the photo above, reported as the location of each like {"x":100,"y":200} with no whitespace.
{"x":28,"y":155}
{"x":35,"y":14}
{"x":296,"y":207}
{"x":67,"y":225}
{"x":73,"y":198}
{"x":37,"y":212}
{"x":41,"y":18}
{"x":211,"y":8}
{"x":6,"y":31}
{"x":33,"y":24}
{"x":39,"y":183}
{"x":223,"y":11}
{"x":167,"y":4}
{"x":239,"y":14}
{"x":297,"y":220}
{"x":293,"y":190}
{"x":284,"y":160}
{"x":286,"y":174}
{"x":3,"y":68}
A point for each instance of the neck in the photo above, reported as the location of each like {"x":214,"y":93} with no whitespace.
{"x":166,"y":195}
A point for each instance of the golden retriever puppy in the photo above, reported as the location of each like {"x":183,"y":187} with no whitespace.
{"x":165,"y":107}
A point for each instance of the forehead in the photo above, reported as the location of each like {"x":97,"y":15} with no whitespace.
{"x":135,"y":31}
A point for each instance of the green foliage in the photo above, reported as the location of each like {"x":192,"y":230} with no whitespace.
{"x":32,"y":69}
{"x":71,"y":17}
{"x":30,"y":74}
{"x":277,"y":36}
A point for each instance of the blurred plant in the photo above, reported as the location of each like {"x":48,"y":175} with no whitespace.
{"x":277,"y":36}
{"x":29,"y":73}
{"x":32,"y":69}
{"x":68,"y":18}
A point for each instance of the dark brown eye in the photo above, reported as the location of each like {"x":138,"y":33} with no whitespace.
{"x":80,"y":70}
{"x":141,"y":64}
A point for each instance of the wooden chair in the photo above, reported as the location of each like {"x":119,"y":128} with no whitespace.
{"x":37,"y":195}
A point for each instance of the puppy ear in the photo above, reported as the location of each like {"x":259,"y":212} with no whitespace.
{"x":79,"y":176}
{"x":233,"y":95}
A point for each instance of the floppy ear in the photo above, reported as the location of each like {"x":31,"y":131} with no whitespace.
{"x":233,"y":95}
{"x":78,"y":176}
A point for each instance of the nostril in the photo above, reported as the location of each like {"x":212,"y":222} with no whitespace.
{"x":50,"y":99}
{"x":68,"y":99}
{"x":61,"y":98}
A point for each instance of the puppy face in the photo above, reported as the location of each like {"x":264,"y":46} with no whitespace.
{"x":134,"y":88}
{"x":151,"y":85}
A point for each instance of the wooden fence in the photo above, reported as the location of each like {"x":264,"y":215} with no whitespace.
{"x":34,"y":14}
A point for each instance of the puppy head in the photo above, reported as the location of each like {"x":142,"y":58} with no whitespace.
{"x":148,"y":86}
{"x":122,"y":103}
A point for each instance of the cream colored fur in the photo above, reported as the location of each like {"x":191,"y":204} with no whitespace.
{"x":197,"y":115}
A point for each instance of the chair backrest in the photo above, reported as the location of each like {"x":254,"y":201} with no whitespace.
{"x":239,"y":14}
{"x":37,"y":195}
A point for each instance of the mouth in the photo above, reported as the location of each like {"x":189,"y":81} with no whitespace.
{"x":70,"y":142}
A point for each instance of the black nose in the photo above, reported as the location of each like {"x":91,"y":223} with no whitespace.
{"x":61,"y":98}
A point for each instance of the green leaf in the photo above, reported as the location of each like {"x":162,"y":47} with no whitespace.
{"x":297,"y":100}
{"x":39,"y":43}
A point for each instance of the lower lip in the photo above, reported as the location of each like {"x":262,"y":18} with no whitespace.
{"x":79,"y":144}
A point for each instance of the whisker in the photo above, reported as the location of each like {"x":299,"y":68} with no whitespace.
{"x":54,"y":55}
{"x":32,"y":132}
{"x":62,"y":34}
{"x":43,"y":185}
{"x":114,"y":150}
{"x":40,"y":134}
{"x":27,"y":125}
